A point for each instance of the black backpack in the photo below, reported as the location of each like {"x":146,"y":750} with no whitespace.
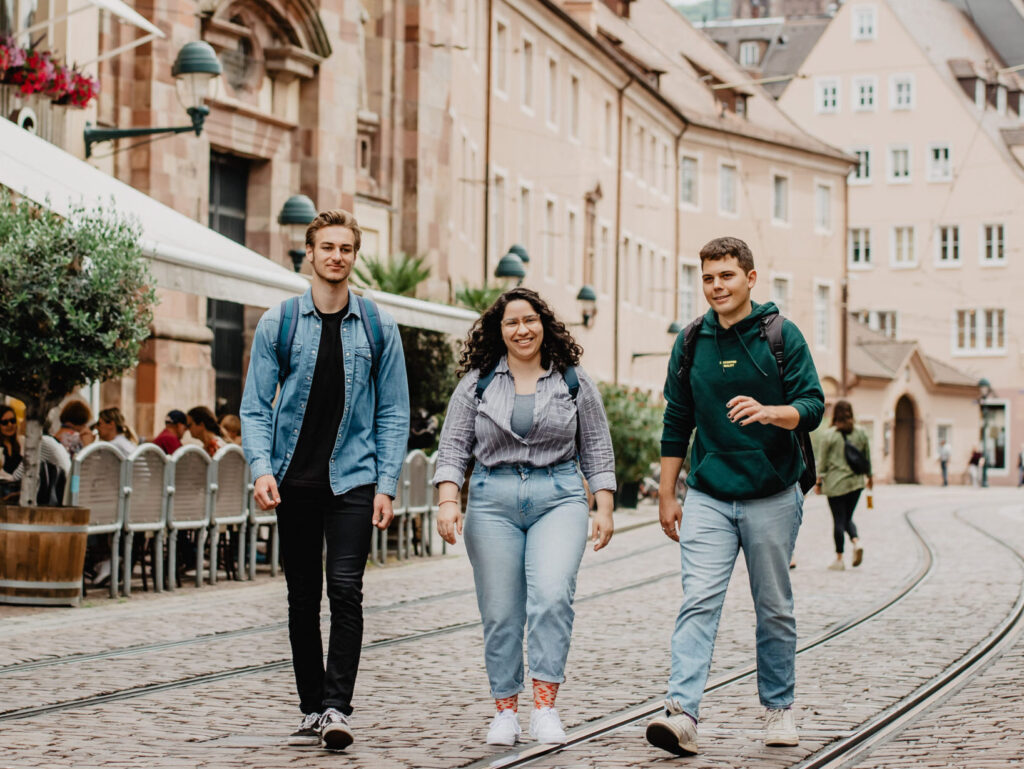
{"x":855,"y":458}
{"x":771,"y":332}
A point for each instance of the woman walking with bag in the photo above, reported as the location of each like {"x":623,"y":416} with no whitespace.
{"x":845,"y":470}
{"x":525,"y":411}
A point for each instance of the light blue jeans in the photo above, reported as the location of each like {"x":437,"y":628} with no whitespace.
{"x":525,"y":531}
{"x":710,"y":537}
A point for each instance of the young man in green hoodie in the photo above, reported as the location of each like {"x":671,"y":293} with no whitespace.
{"x":744,"y":492}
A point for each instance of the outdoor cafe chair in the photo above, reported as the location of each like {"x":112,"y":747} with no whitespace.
{"x":145,"y":510}
{"x":230,"y":507}
{"x":418,"y":501}
{"x":190,"y":473}
{"x":98,"y":483}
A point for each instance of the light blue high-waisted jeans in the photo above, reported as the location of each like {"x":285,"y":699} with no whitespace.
{"x":525,"y":532}
{"x":711,"y":536}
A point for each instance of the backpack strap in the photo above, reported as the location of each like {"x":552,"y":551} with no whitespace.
{"x":572,"y":381}
{"x":285,"y":336}
{"x":689,"y":345}
{"x":374,"y":335}
{"x":482,"y":384}
{"x":771,"y":331}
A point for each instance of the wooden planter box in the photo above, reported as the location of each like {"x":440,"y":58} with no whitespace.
{"x":42,"y":554}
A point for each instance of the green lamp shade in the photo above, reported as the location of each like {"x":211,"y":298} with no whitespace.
{"x":196,"y":58}
{"x":674,"y":327}
{"x":298,"y":209}
{"x":984,"y":384}
{"x":510,"y":266}
{"x":587,"y":294}
{"x":519,"y":251}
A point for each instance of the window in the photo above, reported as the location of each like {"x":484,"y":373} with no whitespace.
{"x":860,"y":247}
{"x":498,"y":217}
{"x":780,"y":199}
{"x":570,"y":236}
{"x":627,"y":270}
{"x":994,"y":439}
{"x":574,"y":107}
{"x":608,"y":130}
{"x":689,"y":191}
{"x":501,"y":57}
{"x":727,"y":189}
{"x":884,"y":321}
{"x":687,"y":293}
{"x":750,"y":53}
{"x":861,"y":174}
{"x":1001,"y":100}
{"x":899,"y":164}
{"x":605,"y":260}
{"x":966,"y":330}
{"x":549,"y":239}
{"x":666,"y":183}
{"x":780,"y":294}
{"x":901,"y":92}
{"x":982,"y":330}
{"x":552,"y":92}
{"x":652,"y":174}
{"x":524,"y":217}
{"x":949,"y":245}
{"x":641,"y":154}
{"x":995,"y":329}
{"x":822,"y":307}
{"x":826,"y":95}
{"x":940,"y":164}
{"x":651,"y":283}
{"x":979,"y":94}
{"x":664,"y":293}
{"x":864,"y":94}
{"x":823,"y":208}
{"x":903,"y":247}
{"x":527,"y":75}
{"x":638,"y":286}
{"x":864,"y":22}
{"x":627,"y":164}
{"x":993,"y":250}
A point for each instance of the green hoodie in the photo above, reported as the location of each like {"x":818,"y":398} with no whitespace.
{"x":731,"y":461}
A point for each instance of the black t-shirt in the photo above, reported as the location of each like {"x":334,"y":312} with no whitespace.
{"x":311,"y":462}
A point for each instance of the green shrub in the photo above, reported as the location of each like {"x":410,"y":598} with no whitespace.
{"x":635,"y":426}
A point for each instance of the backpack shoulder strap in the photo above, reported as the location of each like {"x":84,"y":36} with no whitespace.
{"x":771,"y":330}
{"x":482,"y":383}
{"x":286,"y":335}
{"x":689,"y":345}
{"x":375,"y":336}
{"x":572,"y":380}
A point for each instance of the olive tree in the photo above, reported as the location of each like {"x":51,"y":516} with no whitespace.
{"x":76,"y":300}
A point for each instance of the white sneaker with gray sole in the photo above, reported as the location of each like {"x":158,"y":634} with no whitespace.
{"x":780,"y":728}
{"x":335,"y":731}
{"x":308,"y":732}
{"x":673,"y":731}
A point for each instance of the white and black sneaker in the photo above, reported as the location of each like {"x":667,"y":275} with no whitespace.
{"x":308,"y":732}
{"x":335,"y":732}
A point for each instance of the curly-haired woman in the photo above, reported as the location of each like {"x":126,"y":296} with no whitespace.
{"x":525,"y":411}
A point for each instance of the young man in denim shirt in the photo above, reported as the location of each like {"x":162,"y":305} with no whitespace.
{"x":327,"y":454}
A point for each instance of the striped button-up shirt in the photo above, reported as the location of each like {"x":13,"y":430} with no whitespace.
{"x":483,"y":429}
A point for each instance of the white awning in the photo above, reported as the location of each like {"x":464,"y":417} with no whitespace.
{"x":119,"y":9}
{"x":185,"y":255}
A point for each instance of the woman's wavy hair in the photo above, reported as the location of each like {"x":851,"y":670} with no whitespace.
{"x":202,"y":416}
{"x":484,"y":346}
{"x":842,"y":417}
{"x":114,"y":415}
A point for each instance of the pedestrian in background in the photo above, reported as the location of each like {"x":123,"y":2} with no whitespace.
{"x":231,"y":429}
{"x":841,"y":483}
{"x":974,"y":465}
{"x":175,"y":426}
{"x":945,"y":452}
{"x":326,"y":418}
{"x":112,"y":427}
{"x":74,"y":433}
{"x":202,"y":425}
{"x":524,"y":410}
{"x":10,"y":441}
{"x":1020,"y":466}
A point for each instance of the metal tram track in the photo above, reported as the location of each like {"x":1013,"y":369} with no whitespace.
{"x":625,"y":718}
{"x":126,"y":651}
{"x":207,"y":678}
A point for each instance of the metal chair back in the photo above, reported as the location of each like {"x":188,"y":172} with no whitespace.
{"x":231,"y":502}
{"x":189,"y":482}
{"x":146,"y":502}
{"x":97,"y":482}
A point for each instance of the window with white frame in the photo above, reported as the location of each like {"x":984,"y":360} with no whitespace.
{"x":864,"y":21}
{"x":549,"y":239}
{"x":727,"y":189}
{"x":994,"y":338}
{"x":750,"y":53}
{"x":993,"y":248}
{"x":641,"y":154}
{"x":780,"y":199}
{"x":498,"y":217}
{"x":525,"y":205}
{"x":901,"y":92}
{"x":604,"y":260}
{"x":501,"y":57}
{"x":627,"y":164}
{"x":652,"y":177}
{"x":687,"y":293}
{"x":628,"y":271}
{"x":663,"y":170}
{"x":574,"y":107}
{"x":780,"y":293}
{"x":822,"y":318}
{"x":609,"y":131}
{"x":903,"y":254}
{"x":527,"y":74}
{"x":651,"y":283}
{"x":884,"y":321}
{"x":864,"y":89}
{"x":899,"y":163}
{"x":823,"y":207}
{"x":826,"y":95}
{"x":980,"y":330}
{"x":638,"y":284}
{"x":861,"y":173}
{"x":949,"y":244}
{"x":552,"y":115}
{"x":571,"y":256}
{"x":859,"y":247}
{"x":664,"y":292}
{"x":689,"y":189}
{"x":940,"y":162}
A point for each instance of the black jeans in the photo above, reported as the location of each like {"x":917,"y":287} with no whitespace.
{"x":305,"y":518}
{"x":842,"y":516}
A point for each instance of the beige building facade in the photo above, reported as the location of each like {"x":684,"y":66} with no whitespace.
{"x":936,"y":204}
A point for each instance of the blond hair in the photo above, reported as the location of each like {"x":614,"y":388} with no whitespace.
{"x":335,"y":218}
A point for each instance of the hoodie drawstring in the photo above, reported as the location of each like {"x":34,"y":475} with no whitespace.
{"x":744,"y":344}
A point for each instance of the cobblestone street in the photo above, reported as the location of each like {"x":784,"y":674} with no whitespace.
{"x":421,"y":700}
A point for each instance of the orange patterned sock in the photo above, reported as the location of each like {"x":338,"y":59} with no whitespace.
{"x":544,"y":693}
{"x":508,"y":703}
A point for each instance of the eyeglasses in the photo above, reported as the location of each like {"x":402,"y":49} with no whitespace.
{"x":513,"y":323}
{"x":11,"y":421}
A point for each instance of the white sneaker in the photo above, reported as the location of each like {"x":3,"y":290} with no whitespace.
{"x":545,"y":726}
{"x":505,"y":728}
{"x":780,"y":728}
{"x":335,"y":731}
{"x":308,"y":732}
{"x":673,"y":731}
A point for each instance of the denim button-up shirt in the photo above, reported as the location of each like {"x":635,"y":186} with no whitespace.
{"x":561,"y":428}
{"x":374,"y":430}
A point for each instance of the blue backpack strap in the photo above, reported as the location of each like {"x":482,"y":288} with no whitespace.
{"x":374,"y":335}
{"x":572,"y":380}
{"x":286,"y":335}
{"x":482,"y":383}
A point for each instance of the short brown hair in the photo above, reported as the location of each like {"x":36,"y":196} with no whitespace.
{"x":75,"y":413}
{"x":335,"y":218}
{"x":842,"y":417}
{"x":720,"y":248}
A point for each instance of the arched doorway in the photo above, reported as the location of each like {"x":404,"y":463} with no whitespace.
{"x":904,"y":442}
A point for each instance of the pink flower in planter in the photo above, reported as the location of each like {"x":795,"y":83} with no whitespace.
{"x":34,"y":74}
{"x":12,"y":56}
{"x":61,"y":83}
{"x":83,"y":90}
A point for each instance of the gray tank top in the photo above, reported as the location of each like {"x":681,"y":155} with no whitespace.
{"x":522,"y":414}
